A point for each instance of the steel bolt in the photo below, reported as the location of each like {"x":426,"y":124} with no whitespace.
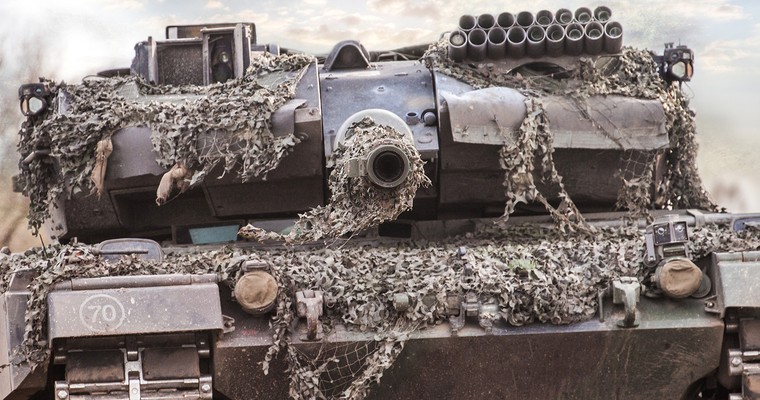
{"x":62,"y":394}
{"x":736,"y":361}
{"x":205,"y":388}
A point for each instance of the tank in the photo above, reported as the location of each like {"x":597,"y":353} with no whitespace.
{"x":513,"y":211}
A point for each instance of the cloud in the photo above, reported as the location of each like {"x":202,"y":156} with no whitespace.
{"x":325,"y":36}
{"x":124,"y":4}
{"x":427,"y":9}
{"x":738,"y":55}
{"x":214,"y":4}
{"x":728,"y":55}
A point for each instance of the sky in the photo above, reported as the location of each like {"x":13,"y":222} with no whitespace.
{"x":66,"y":40}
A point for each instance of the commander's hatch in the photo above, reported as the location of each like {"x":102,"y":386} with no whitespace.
{"x":196,"y":54}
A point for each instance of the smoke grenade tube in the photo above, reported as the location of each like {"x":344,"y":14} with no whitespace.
{"x":516,"y":42}
{"x":544,"y":17}
{"x":555,"y":41}
{"x":505,"y":20}
{"x":486,"y":21}
{"x":536,"y":46}
{"x":583,"y":15}
{"x":467,"y":23}
{"x":497,"y":43}
{"x":563,"y":16}
{"x":476,"y":45}
{"x":602,"y":14}
{"x":525,"y":19}
{"x":594,"y":38}
{"x":458,"y":45}
{"x":574,"y":39}
{"x":613,"y":37}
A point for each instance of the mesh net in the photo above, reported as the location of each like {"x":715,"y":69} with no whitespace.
{"x":355,"y":203}
{"x":633,"y":73}
{"x":234,"y":117}
{"x":634,"y":163}
{"x":530,"y":274}
{"x":636,"y":193}
{"x":347,"y":361}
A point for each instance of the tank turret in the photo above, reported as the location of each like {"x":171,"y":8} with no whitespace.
{"x":237,"y":220}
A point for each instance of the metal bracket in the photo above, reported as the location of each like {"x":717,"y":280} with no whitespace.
{"x":254,"y":264}
{"x":228,"y":323}
{"x":699,"y":217}
{"x":486,"y":312}
{"x":134,"y":384}
{"x":356,"y":167}
{"x":309,"y":305}
{"x":627,"y":291}
{"x":747,"y":365}
{"x":744,"y":361}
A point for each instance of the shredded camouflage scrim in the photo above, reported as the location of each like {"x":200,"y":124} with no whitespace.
{"x":632,"y":73}
{"x":532,"y":274}
{"x":518,"y":160}
{"x":355,"y":203}
{"x":233,"y":118}
{"x":63,"y":262}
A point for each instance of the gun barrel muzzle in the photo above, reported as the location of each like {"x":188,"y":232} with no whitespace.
{"x":387,"y":166}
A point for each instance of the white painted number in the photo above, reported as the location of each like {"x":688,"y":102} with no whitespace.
{"x":107,"y":313}
{"x":102,"y":313}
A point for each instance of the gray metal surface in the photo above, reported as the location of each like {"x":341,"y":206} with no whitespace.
{"x":17,"y":381}
{"x":132,"y":155}
{"x":134,"y":310}
{"x":494,"y":115}
{"x":675,"y":344}
{"x":736,"y":285}
{"x":297,"y":184}
{"x":146,"y":249}
{"x":399,"y":87}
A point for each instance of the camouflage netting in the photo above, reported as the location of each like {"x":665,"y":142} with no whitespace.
{"x":355,"y":203}
{"x":533,"y":274}
{"x":239,"y":111}
{"x":518,"y":161}
{"x":632,"y":73}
